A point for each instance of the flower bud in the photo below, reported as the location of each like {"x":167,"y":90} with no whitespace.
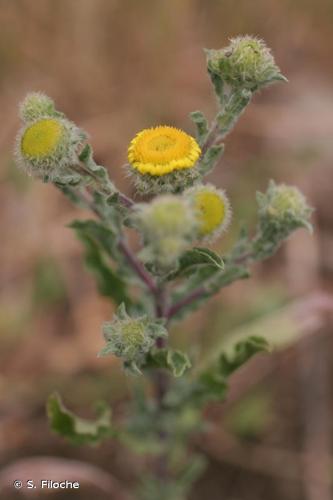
{"x":46,"y":148}
{"x":246,"y":63}
{"x":282,"y":210}
{"x":131,"y":338}
{"x":166,"y":215}
{"x":36,"y":105}
{"x":284,"y":206}
{"x":168,"y":224}
{"x":212,"y":208}
{"x":163,"y":159}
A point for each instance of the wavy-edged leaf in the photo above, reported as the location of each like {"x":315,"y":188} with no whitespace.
{"x":96,"y":239}
{"x":243,"y":351}
{"x":174,"y":360}
{"x":76,"y":429}
{"x":212,"y":383}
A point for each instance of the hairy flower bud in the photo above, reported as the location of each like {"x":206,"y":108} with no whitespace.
{"x":131,"y":338}
{"x":246,"y":63}
{"x":37,"y":105}
{"x":282,"y":209}
{"x":46,"y":148}
{"x":284,"y":205}
{"x":212,"y":208}
{"x":163,"y":159}
{"x":168,"y":224}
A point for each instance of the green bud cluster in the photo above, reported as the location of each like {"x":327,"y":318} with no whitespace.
{"x":246,"y":63}
{"x":168,"y":224}
{"x":282,"y":210}
{"x":131,"y":338}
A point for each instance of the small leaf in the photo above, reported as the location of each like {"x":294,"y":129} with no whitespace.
{"x":86,"y":154}
{"x":218,"y":85}
{"x":213,"y":385}
{"x":168,"y":359}
{"x":243,"y":351}
{"x":196,"y":258}
{"x":201,"y":124}
{"x":78,"y":430}
{"x":213,"y":381}
{"x":87,"y":157}
{"x":210,"y":159}
{"x":96,"y":238}
{"x":178,"y":361}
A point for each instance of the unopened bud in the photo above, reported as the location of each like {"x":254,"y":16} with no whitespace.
{"x":131,"y":338}
{"x":247,"y":63}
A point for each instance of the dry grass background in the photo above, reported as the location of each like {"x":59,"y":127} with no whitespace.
{"x":115,"y":67}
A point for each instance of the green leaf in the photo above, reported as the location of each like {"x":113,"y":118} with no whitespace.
{"x":72,"y":194}
{"x":212,"y":383}
{"x":86,"y":154}
{"x":210,"y":159}
{"x":196,"y":258}
{"x":218,"y":85}
{"x":169,"y":359}
{"x":78,"y":430}
{"x":87,"y":158}
{"x":104,"y":236}
{"x":97,"y":238}
{"x":234,"y":107}
{"x":243,"y":351}
{"x":201,"y":124}
{"x":178,"y":361}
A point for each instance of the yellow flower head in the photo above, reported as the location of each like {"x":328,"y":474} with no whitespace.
{"x":48,"y":147}
{"x":212,"y":208}
{"x":163,"y":160}
{"x":161,"y":150}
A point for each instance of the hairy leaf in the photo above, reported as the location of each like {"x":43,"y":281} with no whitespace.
{"x":97,"y":238}
{"x":170,"y":359}
{"x":78,"y":430}
{"x":213,"y":382}
{"x":201,"y":124}
{"x":210,"y":159}
{"x":197,"y":258}
{"x":243,"y":351}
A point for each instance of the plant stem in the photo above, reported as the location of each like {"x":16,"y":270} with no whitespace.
{"x":211,"y":138}
{"x":201,"y":290}
{"x":161,"y":381}
{"x":131,"y":258}
{"x":138,"y":267}
{"x":185,"y":301}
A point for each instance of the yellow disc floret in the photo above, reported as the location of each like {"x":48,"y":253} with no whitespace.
{"x":42,"y":138}
{"x":161,"y":150}
{"x":212,"y":208}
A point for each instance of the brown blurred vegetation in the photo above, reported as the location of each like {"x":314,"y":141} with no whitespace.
{"x":115,"y":67}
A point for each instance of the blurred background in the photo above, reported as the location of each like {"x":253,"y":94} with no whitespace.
{"x":115,"y":67}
